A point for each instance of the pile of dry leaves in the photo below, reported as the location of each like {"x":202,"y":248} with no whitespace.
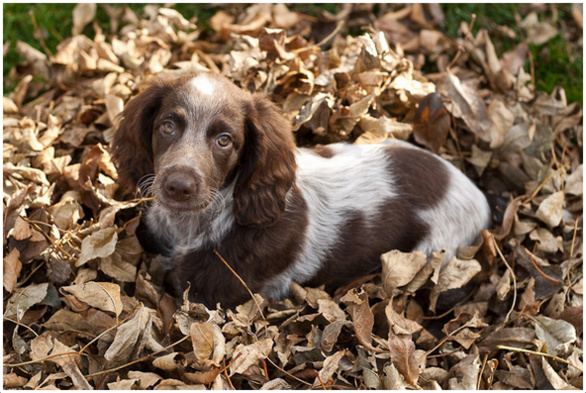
{"x":82,"y":309}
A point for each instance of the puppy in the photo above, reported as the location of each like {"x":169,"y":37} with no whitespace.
{"x":229,"y":183}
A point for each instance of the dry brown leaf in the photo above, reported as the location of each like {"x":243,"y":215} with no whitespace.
{"x":13,"y":381}
{"x":574,"y":183}
{"x":432,"y":122}
{"x":551,"y":209}
{"x":404,"y":358}
{"x":45,"y":345}
{"x":132,"y":336}
{"x":362,"y":317}
{"x":455,"y":274}
{"x":330,"y":335}
{"x":399,"y":324}
{"x":83,"y":14}
{"x":330,"y":310}
{"x":101,"y":295}
{"x":553,"y":377}
{"x":392,"y":379}
{"x":330,"y":366}
{"x":22,"y":230}
{"x":399,"y":268}
{"x":145,"y":380}
{"x":208,"y":344}
{"x":556,"y":333}
{"x":24,"y":298}
{"x":464,"y":375}
{"x":99,"y":244}
{"x":246,"y":356}
{"x":468,"y":106}
{"x":170,"y":362}
{"x":538,"y":33}
{"x":11,"y":270}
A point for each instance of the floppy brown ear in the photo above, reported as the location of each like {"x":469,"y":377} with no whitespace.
{"x":267,"y":167}
{"x":131,"y":144}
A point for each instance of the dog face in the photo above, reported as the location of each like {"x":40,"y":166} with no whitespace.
{"x":199,"y":134}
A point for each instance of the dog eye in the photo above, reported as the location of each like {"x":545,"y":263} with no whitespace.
{"x":224,"y":140}
{"x":167,"y":128}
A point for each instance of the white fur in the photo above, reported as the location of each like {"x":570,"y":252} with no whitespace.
{"x":203,"y":84}
{"x":186,"y":233}
{"x":458,"y":218}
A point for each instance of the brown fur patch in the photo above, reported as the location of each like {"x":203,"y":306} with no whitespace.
{"x":324,"y":151}
{"x":256,"y":254}
{"x":422,"y":178}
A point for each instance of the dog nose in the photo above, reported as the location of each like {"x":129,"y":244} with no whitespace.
{"x":180,"y":186}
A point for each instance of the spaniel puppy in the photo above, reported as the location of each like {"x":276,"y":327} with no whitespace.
{"x":228,"y":182}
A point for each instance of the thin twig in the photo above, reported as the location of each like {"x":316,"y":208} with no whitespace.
{"x":241,"y":281}
{"x":459,"y":54}
{"x":440,"y":316}
{"x":288,"y":373}
{"x":324,"y":387}
{"x":40,"y":360}
{"x":225,"y":372}
{"x":513,"y":277}
{"x":139,"y":360}
{"x":21,"y":324}
{"x":481,"y":372}
{"x":117,"y":324}
{"x":530,"y":352}
{"x":537,"y":189}
{"x":574,"y":237}
{"x":538,"y":268}
{"x":326,"y":40}
{"x":32,"y":272}
{"x":447,"y":337}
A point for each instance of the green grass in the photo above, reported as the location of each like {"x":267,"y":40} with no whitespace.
{"x":555,"y":65}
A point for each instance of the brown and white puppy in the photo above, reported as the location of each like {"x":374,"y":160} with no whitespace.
{"x":226,"y":176}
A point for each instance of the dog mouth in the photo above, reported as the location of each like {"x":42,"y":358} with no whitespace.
{"x":177,"y":207}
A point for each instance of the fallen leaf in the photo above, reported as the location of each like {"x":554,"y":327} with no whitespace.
{"x":556,"y":333}
{"x":553,"y":377}
{"x":550,"y":211}
{"x":101,"y":295}
{"x":24,"y":298}
{"x":12,"y":267}
{"x":432,"y":122}
{"x":132,"y":336}
{"x":330,"y":310}
{"x":403,"y":355}
{"x":83,"y":14}
{"x":245,"y":356}
{"x":455,"y":274}
{"x":330,"y":366}
{"x":468,"y":106}
{"x":399,"y":268}
{"x":362,"y":317}
{"x":465,"y":373}
{"x":99,"y":244}
{"x":208,"y":343}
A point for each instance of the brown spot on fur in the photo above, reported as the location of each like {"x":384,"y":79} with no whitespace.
{"x":421,"y":177}
{"x":324,"y":151}
{"x":256,"y":253}
{"x":361,"y":243}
